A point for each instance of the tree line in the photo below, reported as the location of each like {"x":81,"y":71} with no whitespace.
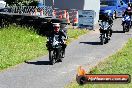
{"x":21,"y":2}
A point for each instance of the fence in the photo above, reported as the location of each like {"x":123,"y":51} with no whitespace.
{"x":47,"y":10}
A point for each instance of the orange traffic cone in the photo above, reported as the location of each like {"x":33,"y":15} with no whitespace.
{"x":54,"y":13}
{"x":67,"y":17}
{"x":35,"y":12}
{"x":64,"y":15}
{"x":30,"y":13}
{"x":60,"y":16}
{"x":41,"y":12}
{"x":47,"y":14}
{"x":75,"y":20}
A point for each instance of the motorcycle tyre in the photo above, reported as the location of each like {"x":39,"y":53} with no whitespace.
{"x":127,"y":30}
{"x":52,"y":56}
{"x":60,"y":55}
{"x":124,"y":28}
{"x":102,"y":39}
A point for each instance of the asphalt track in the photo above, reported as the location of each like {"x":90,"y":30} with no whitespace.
{"x":85,"y":51}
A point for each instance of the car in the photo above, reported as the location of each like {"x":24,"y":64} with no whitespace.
{"x":115,"y":7}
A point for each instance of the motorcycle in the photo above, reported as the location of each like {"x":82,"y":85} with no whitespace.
{"x":55,"y":50}
{"x":105,"y":32}
{"x":126,"y":23}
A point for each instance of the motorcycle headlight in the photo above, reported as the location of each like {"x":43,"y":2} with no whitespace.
{"x":108,"y":12}
{"x":105,"y":28}
{"x":123,"y":19}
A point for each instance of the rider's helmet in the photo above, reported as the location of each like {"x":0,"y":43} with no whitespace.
{"x":129,"y":7}
{"x":127,"y":11}
{"x":129,"y":4}
{"x":56,"y":27}
{"x":105,"y":17}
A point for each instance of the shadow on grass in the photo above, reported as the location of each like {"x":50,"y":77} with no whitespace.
{"x":39,"y":62}
{"x":91,"y":43}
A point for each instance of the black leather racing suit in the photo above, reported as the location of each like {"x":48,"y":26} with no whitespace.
{"x":61,"y":36}
{"x":109,"y":20}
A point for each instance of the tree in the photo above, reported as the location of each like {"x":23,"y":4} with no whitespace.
{"x":21,"y":2}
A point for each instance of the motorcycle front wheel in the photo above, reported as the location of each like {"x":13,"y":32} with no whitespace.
{"x":128,"y":27}
{"x":59,"y":54}
{"x":52,"y":57}
{"x":125,"y":28}
{"x":102,"y":39}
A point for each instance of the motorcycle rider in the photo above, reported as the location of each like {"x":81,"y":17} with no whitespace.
{"x":126,"y":22}
{"x":107,"y":18}
{"x":128,"y":12}
{"x":61,"y":36}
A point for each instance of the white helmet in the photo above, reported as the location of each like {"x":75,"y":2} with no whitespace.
{"x":56,"y":24}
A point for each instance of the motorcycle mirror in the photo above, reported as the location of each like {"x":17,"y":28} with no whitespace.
{"x":99,"y":20}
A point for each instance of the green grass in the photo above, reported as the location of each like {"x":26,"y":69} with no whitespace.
{"x":74,"y":33}
{"x":18,"y":44}
{"x":119,"y":63}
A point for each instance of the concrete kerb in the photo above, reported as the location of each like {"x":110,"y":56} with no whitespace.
{"x":96,"y":26}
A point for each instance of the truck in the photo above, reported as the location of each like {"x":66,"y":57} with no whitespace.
{"x":115,"y":8}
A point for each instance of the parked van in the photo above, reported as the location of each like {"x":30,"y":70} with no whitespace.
{"x":114,"y":7}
